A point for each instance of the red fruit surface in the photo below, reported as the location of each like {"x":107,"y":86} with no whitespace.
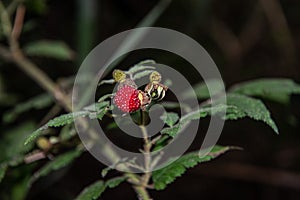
{"x":126,"y":99}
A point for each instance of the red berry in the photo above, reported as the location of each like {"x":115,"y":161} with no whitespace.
{"x":127,"y":99}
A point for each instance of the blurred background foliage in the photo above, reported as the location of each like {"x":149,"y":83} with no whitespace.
{"x":247,"y":39}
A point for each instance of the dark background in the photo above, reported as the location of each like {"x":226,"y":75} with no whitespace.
{"x":247,"y":39}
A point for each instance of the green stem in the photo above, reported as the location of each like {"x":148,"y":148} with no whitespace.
{"x":142,"y":193}
{"x":138,"y":187}
{"x":141,"y":189}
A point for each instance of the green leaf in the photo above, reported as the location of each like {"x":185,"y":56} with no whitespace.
{"x":163,"y":141}
{"x":110,"y":81}
{"x":238,"y":106}
{"x":12,"y":143}
{"x":99,"y":110}
{"x":168,"y":174}
{"x":92,"y":192}
{"x":52,"y":49}
{"x":112,"y":125}
{"x":20,"y":189}
{"x":201,"y":89}
{"x":173,"y":131}
{"x":30,"y":139}
{"x":114,"y":182}
{"x":106,"y":96}
{"x":200,"y":113}
{"x":96,"y":111}
{"x":62,"y":120}
{"x":170,"y":118}
{"x":37,"y":6}
{"x":56,"y":164}
{"x":243,"y":106}
{"x":3,"y":169}
{"x":105,"y":171}
{"x":67,"y":132}
{"x":204,"y":112}
{"x":141,"y":66}
{"x":38,"y":102}
{"x":142,"y":74}
{"x":97,"y":106}
{"x":66,"y":119}
{"x":274,"y":89}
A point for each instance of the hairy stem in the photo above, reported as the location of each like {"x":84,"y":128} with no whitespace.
{"x":142,"y":193}
{"x":141,"y":189}
{"x":138,"y":187}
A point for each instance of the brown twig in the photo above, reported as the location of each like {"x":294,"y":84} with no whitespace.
{"x":15,"y":54}
{"x":280,"y":28}
{"x":18,"y":24}
{"x":13,"y":6}
{"x":32,"y":70}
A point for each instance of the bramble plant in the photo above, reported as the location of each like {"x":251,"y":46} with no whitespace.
{"x":129,"y":99}
{"x":57,"y":141}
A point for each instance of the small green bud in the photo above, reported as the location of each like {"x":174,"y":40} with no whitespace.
{"x":155,"y":77}
{"x":119,"y":75}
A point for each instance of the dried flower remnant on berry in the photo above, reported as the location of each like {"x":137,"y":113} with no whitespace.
{"x":145,"y":99}
{"x":155,"y":89}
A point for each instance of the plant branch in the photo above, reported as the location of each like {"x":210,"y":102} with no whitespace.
{"x":18,"y":24}
{"x":138,"y":188}
{"x":147,"y":175}
{"x":15,"y":54}
{"x":142,"y":193}
{"x":280,"y":29}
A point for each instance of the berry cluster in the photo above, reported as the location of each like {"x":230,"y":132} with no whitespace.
{"x":129,"y":99}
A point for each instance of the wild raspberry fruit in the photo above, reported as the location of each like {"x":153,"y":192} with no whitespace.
{"x":127,"y":99}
